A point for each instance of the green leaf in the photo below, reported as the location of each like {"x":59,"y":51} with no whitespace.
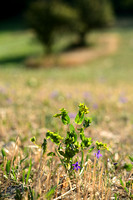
{"x":121,"y":182}
{"x":131,"y":158}
{"x":101,"y":145}
{"x":51,"y":154}
{"x":3,"y":152}
{"x":91,"y":149}
{"x":62,"y":160}
{"x":87,"y":122}
{"x":79,"y":118}
{"x":115,"y":195}
{"x":128,"y":183}
{"x":31,"y":194}
{"x":86,"y":142}
{"x":33,"y":139}
{"x":61,"y":153}
{"x":72,"y":133}
{"x":14,"y":159}
{"x":65,"y":119}
{"x":50,"y":193}
{"x":8,"y":166}
{"x":82,"y":136}
{"x":14,"y":175}
{"x":57,"y":115}
{"x":71,"y":127}
{"x":82,"y":159}
{"x":54,"y":137}
{"x":71,"y":150}
{"x":23,"y":176}
{"x":44,"y":145}
{"x":75,"y":137}
{"x":123,"y":185}
{"x":128,"y":167}
{"x":28,"y":174}
{"x":126,"y":189}
{"x":64,"y":116}
{"x":63,"y":110}
{"x":22,"y":160}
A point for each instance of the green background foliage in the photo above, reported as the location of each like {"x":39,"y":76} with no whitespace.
{"x":51,"y":18}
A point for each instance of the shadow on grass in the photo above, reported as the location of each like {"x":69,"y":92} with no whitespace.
{"x":14,"y":25}
{"x":13,"y":60}
{"x":124,"y":22}
{"x":76,"y":46}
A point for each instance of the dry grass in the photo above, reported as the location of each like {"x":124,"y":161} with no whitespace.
{"x":98,"y":180}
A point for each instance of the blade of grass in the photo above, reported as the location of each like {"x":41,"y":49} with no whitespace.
{"x":28,"y":174}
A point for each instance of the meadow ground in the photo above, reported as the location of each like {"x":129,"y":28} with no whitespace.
{"x":30,"y":97}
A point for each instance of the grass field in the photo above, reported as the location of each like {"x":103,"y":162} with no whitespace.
{"x":30,"y":97}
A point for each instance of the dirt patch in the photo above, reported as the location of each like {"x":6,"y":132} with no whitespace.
{"x":107,"y":44}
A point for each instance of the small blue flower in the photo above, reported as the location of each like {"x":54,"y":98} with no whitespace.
{"x":95,"y":106}
{"x":54,"y":94}
{"x":123,"y":99}
{"x":76,"y":166}
{"x":98,"y":155}
{"x":115,"y":163}
{"x":72,"y":115}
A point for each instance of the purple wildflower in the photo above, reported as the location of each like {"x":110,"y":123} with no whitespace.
{"x":98,"y":154}
{"x":102,"y":80}
{"x":69,"y":96}
{"x":2,"y":90}
{"x":87,"y":96}
{"x":72,"y":115}
{"x":76,"y":166}
{"x":95,"y":106}
{"x":123,"y":99}
{"x":9,"y":101}
{"x":115,"y":163}
{"x":54,"y":94}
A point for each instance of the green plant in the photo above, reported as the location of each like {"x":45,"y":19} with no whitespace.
{"x":74,"y":142}
{"x":18,"y":173}
{"x":126,"y":187}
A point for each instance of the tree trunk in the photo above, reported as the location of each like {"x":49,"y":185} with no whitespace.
{"x":82,"y":39}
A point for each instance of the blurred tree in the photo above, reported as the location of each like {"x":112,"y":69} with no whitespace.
{"x":92,"y":14}
{"x":51,"y":17}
